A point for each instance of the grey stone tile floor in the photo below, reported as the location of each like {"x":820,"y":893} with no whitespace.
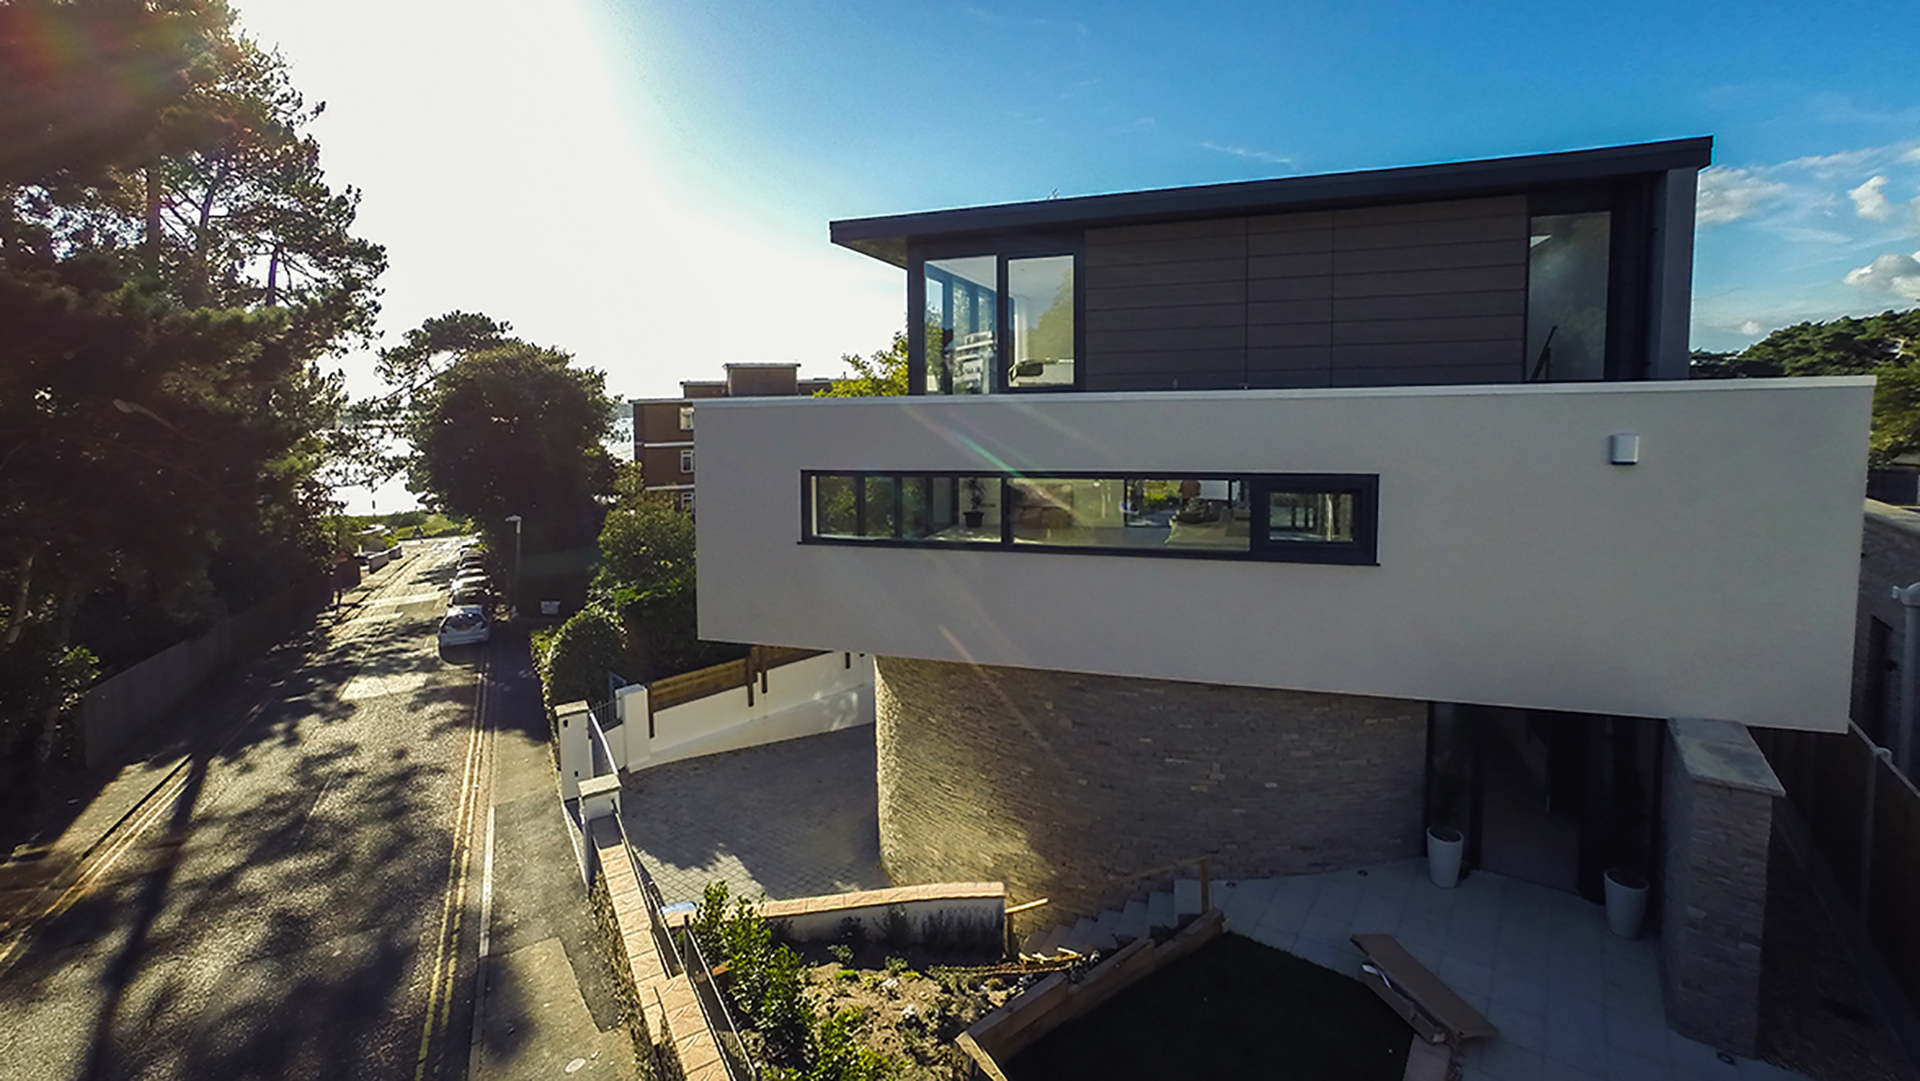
{"x":1571,"y":1000}
{"x":797,"y":818}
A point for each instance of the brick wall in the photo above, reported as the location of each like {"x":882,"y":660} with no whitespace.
{"x":1718,"y":809}
{"x":1058,"y":783}
{"x":1889,"y":556}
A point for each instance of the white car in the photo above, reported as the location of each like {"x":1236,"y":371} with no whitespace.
{"x":465,"y":625}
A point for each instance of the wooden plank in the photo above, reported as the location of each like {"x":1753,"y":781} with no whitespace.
{"x":1434,"y":998}
{"x":675,"y":690}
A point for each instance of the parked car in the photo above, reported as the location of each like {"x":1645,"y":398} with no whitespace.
{"x":474,"y":596}
{"x":465,"y":625}
{"x":469,"y":580}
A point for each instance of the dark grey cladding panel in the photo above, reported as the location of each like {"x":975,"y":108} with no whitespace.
{"x":1107,"y":343}
{"x":1421,"y":282}
{"x":1178,"y":230}
{"x":1112,"y":276}
{"x":1420,"y":234}
{"x":1319,"y":310}
{"x":1460,"y":374}
{"x":1430,"y":306}
{"x":1472,"y":328}
{"x":1292,"y":241}
{"x":1169,"y":378}
{"x":1428,"y":355}
{"x":1156,"y":252}
{"x":1304,"y":222}
{"x":1170,"y":316}
{"x":1126,"y":297}
{"x":1171,"y":363}
{"x":1289,"y":334}
{"x":1404,"y":215}
{"x":1431,"y":257}
{"x":1266,"y":290}
{"x":1288,"y":378}
{"x":1310,"y":265}
{"x":1288,"y":358}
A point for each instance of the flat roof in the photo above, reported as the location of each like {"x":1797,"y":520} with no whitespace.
{"x":886,"y":237}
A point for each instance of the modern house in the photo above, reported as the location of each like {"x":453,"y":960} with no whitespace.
{"x":1278,"y":521}
{"x":663,"y":427}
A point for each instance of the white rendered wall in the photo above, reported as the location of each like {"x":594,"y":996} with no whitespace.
{"x":802,"y":698}
{"x":1517,"y":566}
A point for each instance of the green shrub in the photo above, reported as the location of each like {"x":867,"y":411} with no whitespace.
{"x":580,"y":654}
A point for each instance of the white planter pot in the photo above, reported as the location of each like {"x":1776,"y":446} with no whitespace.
{"x":1445,"y":846}
{"x":1626,"y":902}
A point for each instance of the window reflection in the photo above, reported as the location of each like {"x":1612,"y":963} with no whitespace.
{"x":1567,"y":297}
{"x":1310,"y":516}
{"x":1040,"y":302}
{"x":962,"y":323}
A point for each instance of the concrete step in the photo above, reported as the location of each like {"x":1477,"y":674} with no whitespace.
{"x":1079,"y":938}
{"x":1133,"y":921}
{"x":1043,"y":941}
{"x":1186,"y":897}
{"x":1160,"y":909}
{"x":1109,"y":926}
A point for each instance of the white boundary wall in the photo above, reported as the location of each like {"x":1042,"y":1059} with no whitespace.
{"x":804,"y":698}
{"x":1517,"y":566}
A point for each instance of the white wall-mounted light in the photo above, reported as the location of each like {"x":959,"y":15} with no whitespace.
{"x":1623,"y":448}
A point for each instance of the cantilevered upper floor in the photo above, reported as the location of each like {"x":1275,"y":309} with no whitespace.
{"x":1549,"y":268}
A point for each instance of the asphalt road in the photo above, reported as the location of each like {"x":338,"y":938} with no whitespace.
{"x":302,"y":899}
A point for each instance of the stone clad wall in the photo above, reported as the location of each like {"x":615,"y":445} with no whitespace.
{"x":1718,"y":817}
{"x":1059,"y":783}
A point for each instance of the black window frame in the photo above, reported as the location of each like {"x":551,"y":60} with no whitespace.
{"x":1001,"y":249}
{"x":1362,"y":550}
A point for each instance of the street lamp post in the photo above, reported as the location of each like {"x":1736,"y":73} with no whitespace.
{"x":515,"y":519}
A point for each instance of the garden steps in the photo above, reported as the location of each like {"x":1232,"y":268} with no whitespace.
{"x":1113,"y":928}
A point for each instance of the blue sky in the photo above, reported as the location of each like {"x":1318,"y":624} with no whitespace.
{"x":648,"y":184}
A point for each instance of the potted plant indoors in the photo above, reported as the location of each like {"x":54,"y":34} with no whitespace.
{"x":1445,"y":847}
{"x":976,"y":500}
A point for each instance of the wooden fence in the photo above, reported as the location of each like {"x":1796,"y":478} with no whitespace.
{"x":1863,"y":818}
{"x":746,"y":672}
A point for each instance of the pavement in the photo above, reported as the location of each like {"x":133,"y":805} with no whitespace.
{"x":798,"y":818}
{"x":243,"y":894}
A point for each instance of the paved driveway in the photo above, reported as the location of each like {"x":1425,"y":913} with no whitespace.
{"x":792,"y":819}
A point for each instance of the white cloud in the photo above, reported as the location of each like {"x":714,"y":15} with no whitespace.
{"x":1248,"y":153}
{"x":1752,"y":327}
{"x":1892,"y":275}
{"x":1729,"y":194}
{"x":1870,"y":199}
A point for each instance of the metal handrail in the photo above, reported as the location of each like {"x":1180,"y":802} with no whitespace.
{"x":726,"y":1034}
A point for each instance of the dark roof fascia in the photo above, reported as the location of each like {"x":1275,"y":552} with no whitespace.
{"x":886,"y":238}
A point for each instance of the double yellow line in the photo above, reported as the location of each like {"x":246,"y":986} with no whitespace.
{"x":452,"y":908}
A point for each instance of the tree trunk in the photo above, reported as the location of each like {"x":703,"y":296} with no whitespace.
{"x":152,"y":239}
{"x":23,"y":592}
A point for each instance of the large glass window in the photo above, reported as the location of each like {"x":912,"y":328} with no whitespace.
{"x":1567,"y":296}
{"x":1291,"y":517}
{"x":962,"y":324}
{"x":1040,"y":299}
{"x":997,"y":322}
